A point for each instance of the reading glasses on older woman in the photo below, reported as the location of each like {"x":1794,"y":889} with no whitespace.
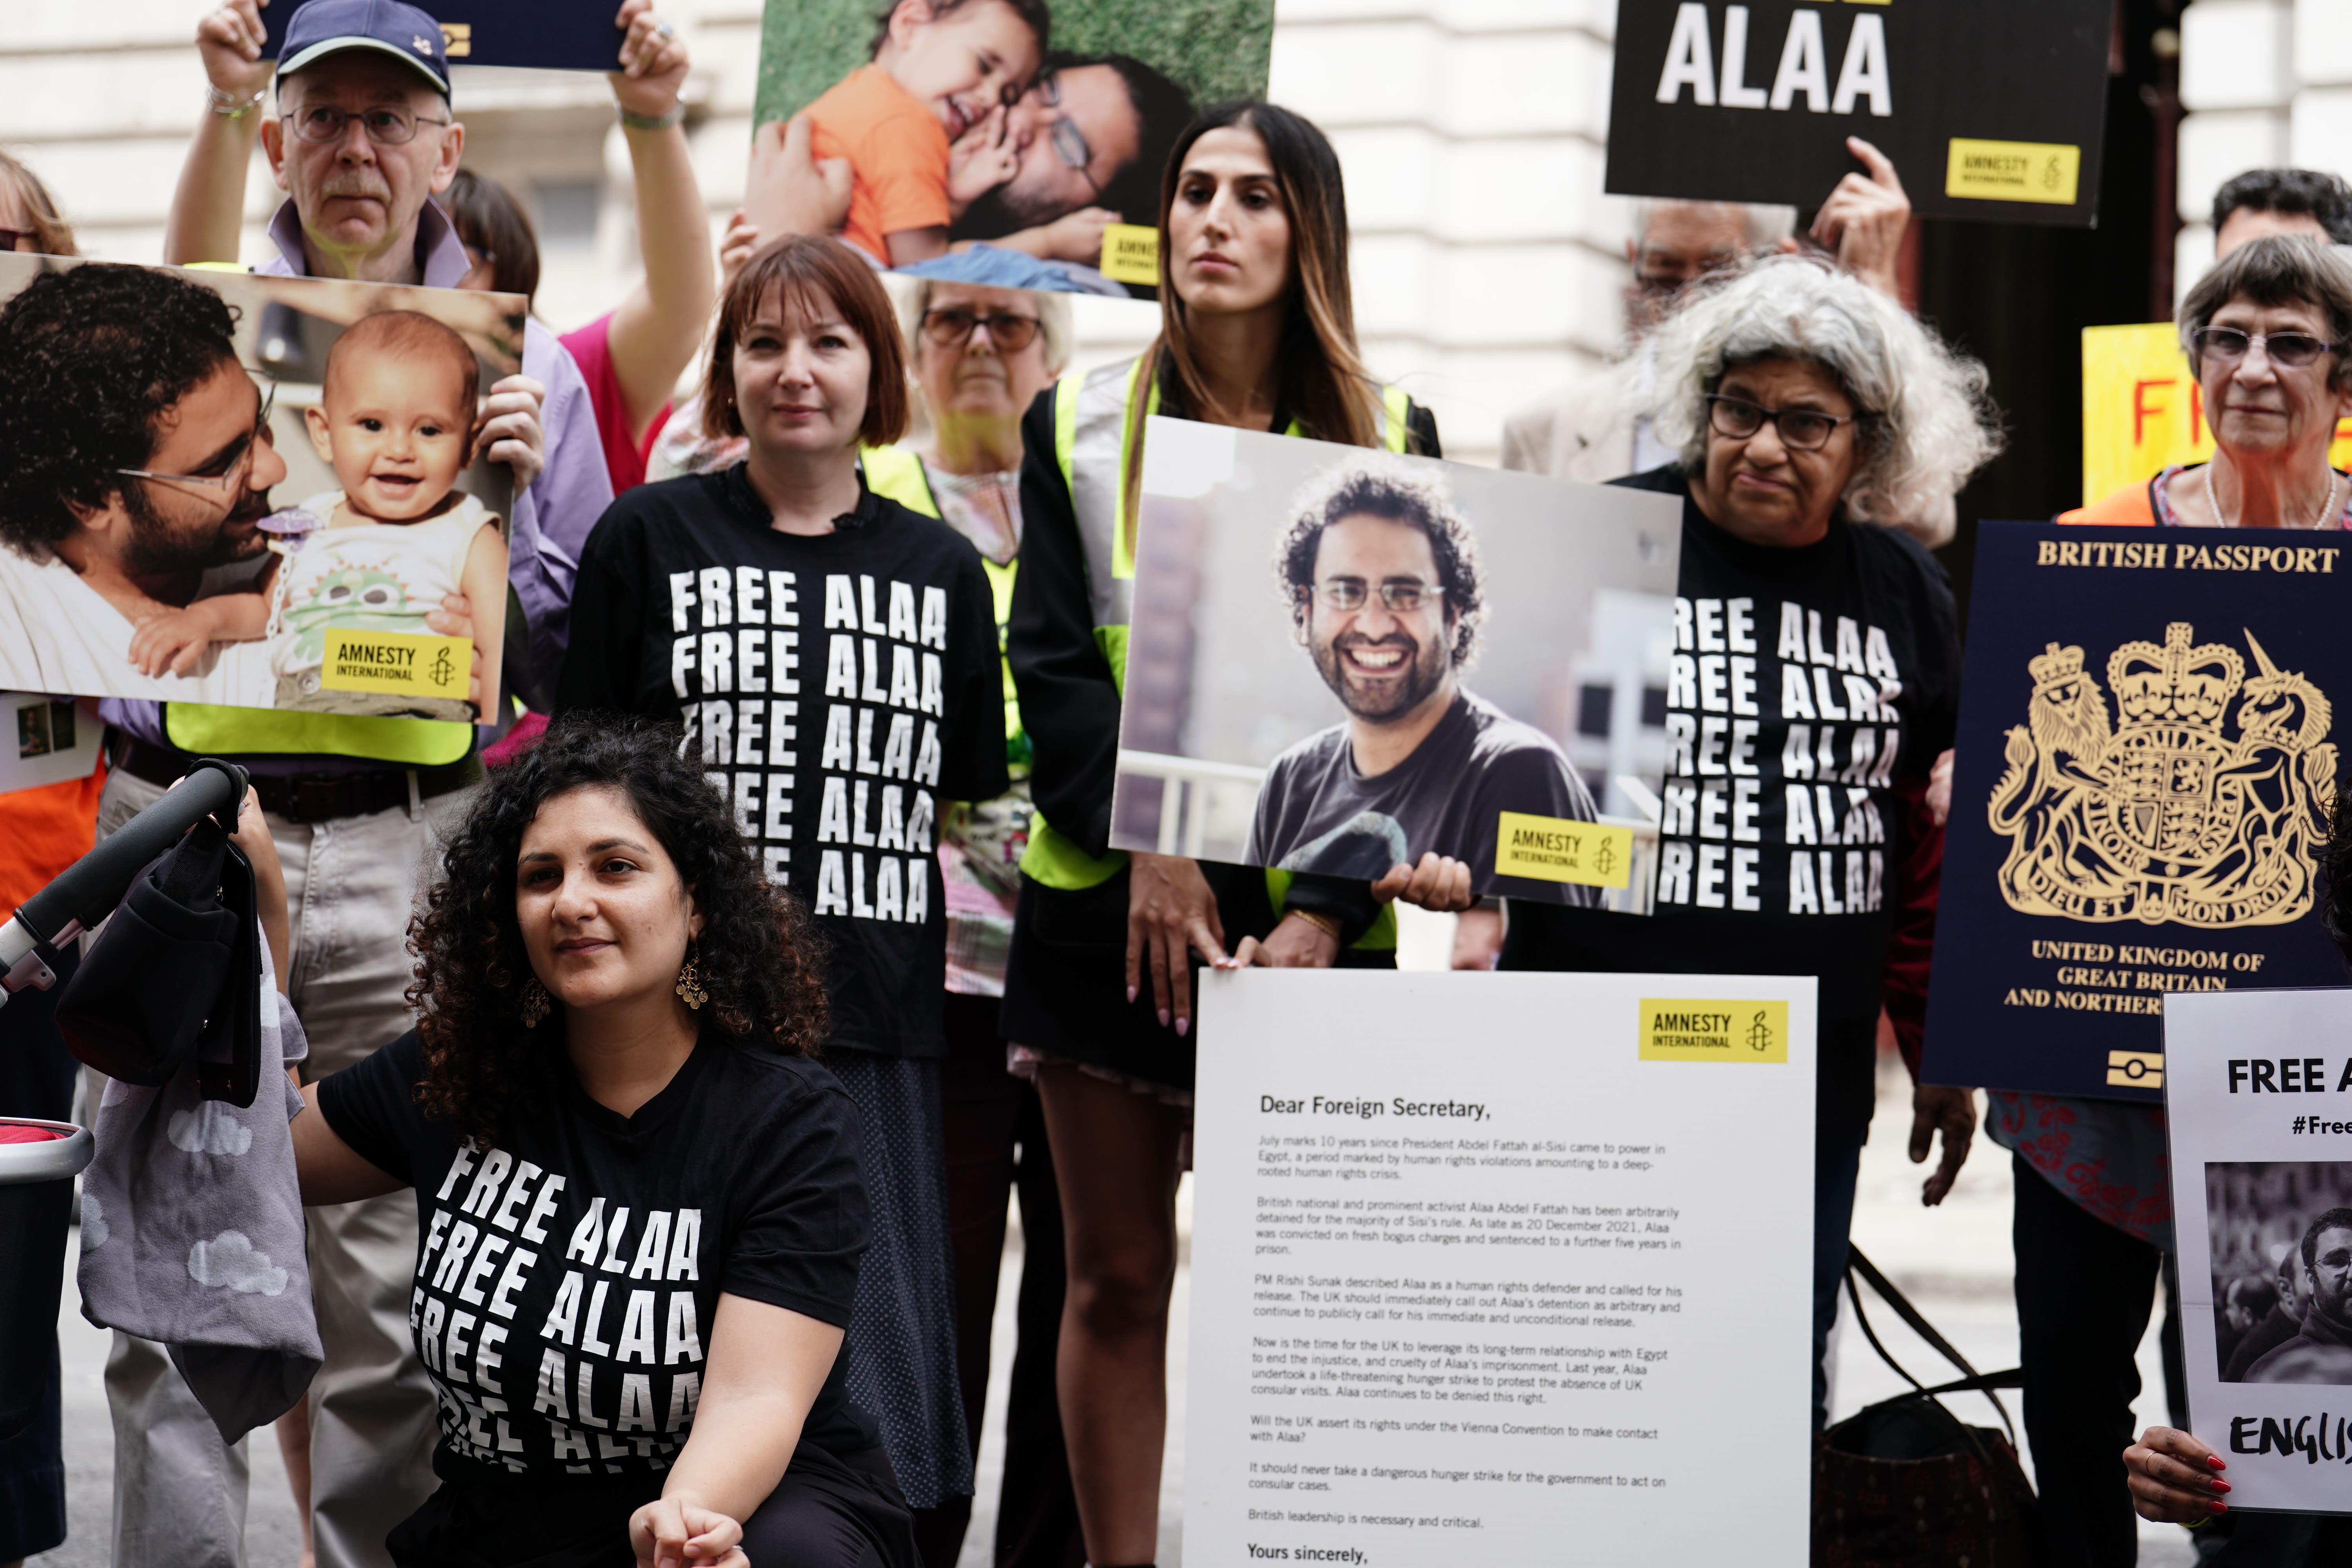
{"x":227,"y":470}
{"x":1400,"y":596}
{"x":2292,"y":350}
{"x":384,"y":127}
{"x":951,"y":327}
{"x":1801,"y":429}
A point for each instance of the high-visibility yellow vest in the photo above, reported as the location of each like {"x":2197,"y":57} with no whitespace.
{"x":211,"y":731}
{"x":897,"y":474}
{"x":1090,"y":445}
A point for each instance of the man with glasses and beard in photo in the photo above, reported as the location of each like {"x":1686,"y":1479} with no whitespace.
{"x":1382,"y":577}
{"x":140,"y":468}
{"x":2322,"y":1350}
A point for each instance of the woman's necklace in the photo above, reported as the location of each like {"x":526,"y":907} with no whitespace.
{"x":2327,"y":506}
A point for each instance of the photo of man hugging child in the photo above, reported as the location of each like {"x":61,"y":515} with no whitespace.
{"x":938,"y":68}
{"x":395,"y":421}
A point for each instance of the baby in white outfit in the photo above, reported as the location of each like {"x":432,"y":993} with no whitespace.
{"x":395,"y":421}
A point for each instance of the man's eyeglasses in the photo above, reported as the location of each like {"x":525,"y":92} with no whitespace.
{"x":1069,"y":142}
{"x":1400,"y":596}
{"x":384,"y":127}
{"x":226,"y":473}
{"x":952,"y":328}
{"x":2290,"y":350}
{"x":1801,"y":429}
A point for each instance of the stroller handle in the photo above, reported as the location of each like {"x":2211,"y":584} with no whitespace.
{"x":87,"y":891}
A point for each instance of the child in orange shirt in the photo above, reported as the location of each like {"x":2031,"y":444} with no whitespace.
{"x":939,"y":67}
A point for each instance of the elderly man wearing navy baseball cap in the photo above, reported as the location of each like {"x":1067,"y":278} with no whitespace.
{"x":360,"y":134}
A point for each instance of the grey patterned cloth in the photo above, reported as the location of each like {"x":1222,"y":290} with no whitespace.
{"x":901,"y":1346}
{"x":192,"y":1232}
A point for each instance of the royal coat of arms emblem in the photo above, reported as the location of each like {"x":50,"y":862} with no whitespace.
{"x":2160,"y":814}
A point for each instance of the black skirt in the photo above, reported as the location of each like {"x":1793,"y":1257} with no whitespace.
{"x":1066,"y":981}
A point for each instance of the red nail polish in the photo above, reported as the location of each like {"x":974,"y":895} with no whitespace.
{"x":2219,"y":1486}
{"x":2213,"y":1461}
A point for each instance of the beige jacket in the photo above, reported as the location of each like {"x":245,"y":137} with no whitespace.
{"x":1583,"y":431}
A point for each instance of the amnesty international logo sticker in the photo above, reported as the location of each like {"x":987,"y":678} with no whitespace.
{"x":1713,"y":1030}
{"x":1561,"y":849}
{"x":405,"y":663}
{"x":2179,"y":808}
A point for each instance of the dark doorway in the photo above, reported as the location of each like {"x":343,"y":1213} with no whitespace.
{"x":2017,"y":297}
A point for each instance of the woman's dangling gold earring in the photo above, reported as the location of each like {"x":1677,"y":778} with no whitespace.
{"x":535,"y":1004}
{"x":689,"y":980}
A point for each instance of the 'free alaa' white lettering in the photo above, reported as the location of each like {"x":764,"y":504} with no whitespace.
{"x":1690,"y":64}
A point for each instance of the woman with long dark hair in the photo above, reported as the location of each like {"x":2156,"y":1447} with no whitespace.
{"x":833,"y":656}
{"x":1257,"y":332}
{"x":640,"y":1195}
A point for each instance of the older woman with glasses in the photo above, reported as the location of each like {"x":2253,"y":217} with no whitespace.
{"x":1819,"y":679}
{"x":2267,"y":333}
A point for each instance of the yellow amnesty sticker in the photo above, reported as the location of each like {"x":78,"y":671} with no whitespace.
{"x":1131,"y":253}
{"x":405,"y":663}
{"x":1561,"y":849}
{"x":2013,"y":171}
{"x":1714,"y":1031}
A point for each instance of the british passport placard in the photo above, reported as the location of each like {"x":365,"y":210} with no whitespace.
{"x":2146,"y":765}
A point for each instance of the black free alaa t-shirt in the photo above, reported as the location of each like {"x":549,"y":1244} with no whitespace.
{"x":837,"y":689}
{"x":1804,"y":684}
{"x":567,"y":1278}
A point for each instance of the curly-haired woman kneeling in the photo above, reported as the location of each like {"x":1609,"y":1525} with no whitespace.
{"x":640,"y":1198}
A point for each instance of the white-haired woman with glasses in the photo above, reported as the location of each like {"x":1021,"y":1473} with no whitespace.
{"x":1816,"y":679}
{"x":2267,"y":332}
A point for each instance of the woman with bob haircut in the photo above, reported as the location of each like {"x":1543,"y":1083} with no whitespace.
{"x":2269,"y":337}
{"x":1257,"y":332}
{"x":1821,"y":653}
{"x":831,"y":658}
{"x":640,"y":1193}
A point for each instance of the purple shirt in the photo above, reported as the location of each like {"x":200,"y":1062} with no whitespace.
{"x":551,"y":518}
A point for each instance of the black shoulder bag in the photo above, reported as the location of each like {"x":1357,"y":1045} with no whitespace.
{"x":1905,"y":1483}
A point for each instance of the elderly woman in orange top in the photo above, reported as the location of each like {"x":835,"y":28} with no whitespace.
{"x":2269,"y":335}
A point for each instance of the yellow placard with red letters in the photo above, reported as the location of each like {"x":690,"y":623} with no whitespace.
{"x":2142,"y":411}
